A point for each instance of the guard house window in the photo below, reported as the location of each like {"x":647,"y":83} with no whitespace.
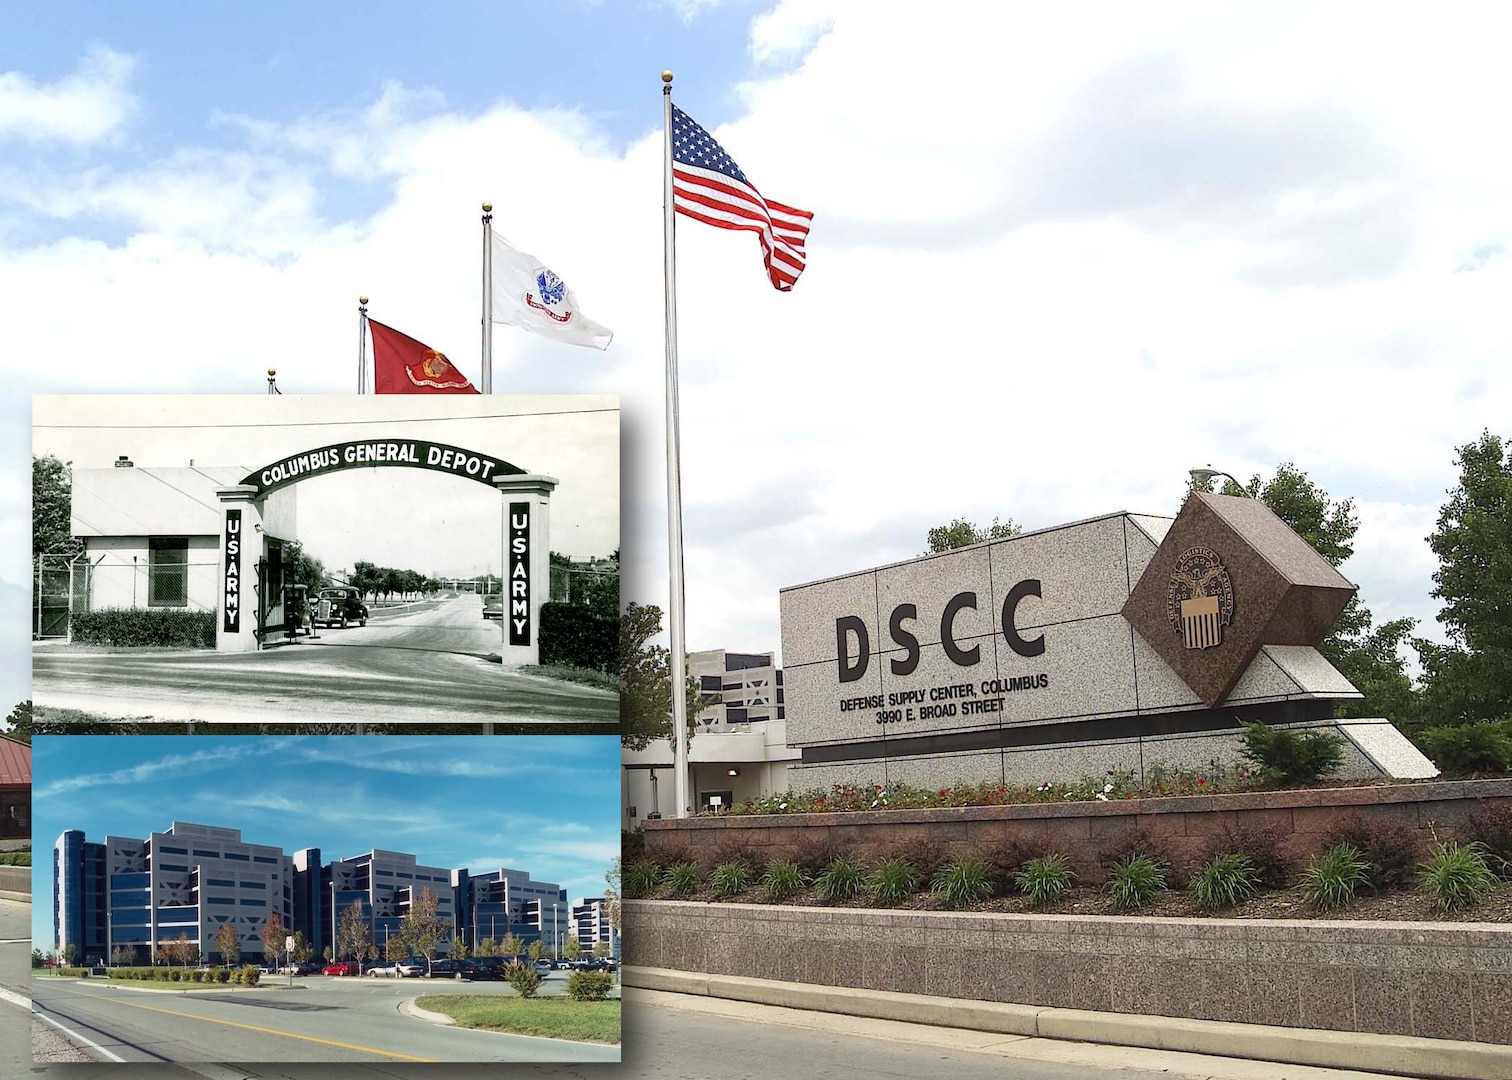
{"x":168,"y":571}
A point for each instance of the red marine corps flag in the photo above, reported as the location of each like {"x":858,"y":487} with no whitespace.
{"x":402,"y":365}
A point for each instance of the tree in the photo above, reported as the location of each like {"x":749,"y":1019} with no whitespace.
{"x":52,"y":509}
{"x":70,"y":954}
{"x":353,"y":934}
{"x":458,"y":950}
{"x":536,"y":949}
{"x":511,"y":945}
{"x":273,"y":933}
{"x":228,"y":941}
{"x":612,"y":910}
{"x":329,"y":954}
{"x":420,"y":928}
{"x":122,"y":954}
{"x":646,"y":680}
{"x":19,"y":723}
{"x":602,"y":948}
{"x":395,"y":949}
{"x":572,"y":949}
{"x":488,"y":947}
{"x":1470,"y":678}
{"x":302,"y":952}
{"x":962,"y":533}
{"x":1367,"y":655}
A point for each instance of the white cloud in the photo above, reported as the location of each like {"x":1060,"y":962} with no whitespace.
{"x":91,"y":104}
{"x":788,"y":29}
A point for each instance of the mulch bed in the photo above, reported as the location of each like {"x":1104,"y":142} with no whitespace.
{"x":1087,"y":900}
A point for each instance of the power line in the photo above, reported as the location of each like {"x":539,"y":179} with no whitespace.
{"x":321,"y":423}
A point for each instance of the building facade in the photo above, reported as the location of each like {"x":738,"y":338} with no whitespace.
{"x":497,"y":903}
{"x":591,"y":926}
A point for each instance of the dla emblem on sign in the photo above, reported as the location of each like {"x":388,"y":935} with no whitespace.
{"x":553,"y":292}
{"x":1200,"y":598}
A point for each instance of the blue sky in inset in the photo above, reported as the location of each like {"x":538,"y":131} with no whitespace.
{"x":548,"y":805}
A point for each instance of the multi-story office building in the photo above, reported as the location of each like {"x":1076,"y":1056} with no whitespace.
{"x":502,"y":902}
{"x":740,"y":750}
{"x":193,"y":879}
{"x":383,"y":885}
{"x":187,"y":882}
{"x":590,"y":924}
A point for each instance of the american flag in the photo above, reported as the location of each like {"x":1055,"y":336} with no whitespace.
{"x":708,"y":186}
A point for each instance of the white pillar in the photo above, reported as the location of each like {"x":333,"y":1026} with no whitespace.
{"x":526,"y":537}
{"x":241,"y":546}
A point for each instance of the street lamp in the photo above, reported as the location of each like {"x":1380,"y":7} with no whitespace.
{"x":1202,"y":476}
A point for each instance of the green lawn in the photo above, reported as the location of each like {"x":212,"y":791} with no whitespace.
{"x":607,"y":680}
{"x":552,"y":1018}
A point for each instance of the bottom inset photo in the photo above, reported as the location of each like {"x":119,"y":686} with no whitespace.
{"x":347,"y":898}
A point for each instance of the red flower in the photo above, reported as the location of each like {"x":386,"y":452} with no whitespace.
{"x":1201,"y":780}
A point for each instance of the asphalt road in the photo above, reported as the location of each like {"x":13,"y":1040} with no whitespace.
{"x":317,"y":1020}
{"x":419,"y":665}
{"x":15,"y":980}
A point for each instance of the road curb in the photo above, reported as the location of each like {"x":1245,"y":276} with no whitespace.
{"x":409,"y":1008}
{"x":11,"y":894}
{"x":1398,"y":1054}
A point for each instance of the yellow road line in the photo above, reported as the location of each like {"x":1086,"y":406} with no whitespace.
{"x":253,"y":1027}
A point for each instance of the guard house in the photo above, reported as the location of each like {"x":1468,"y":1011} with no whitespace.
{"x":153,"y":536}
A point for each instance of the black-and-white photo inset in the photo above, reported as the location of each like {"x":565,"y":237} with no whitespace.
{"x":350,"y":560}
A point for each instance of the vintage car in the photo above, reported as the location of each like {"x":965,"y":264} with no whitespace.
{"x":339,"y":606}
{"x":493,"y":606}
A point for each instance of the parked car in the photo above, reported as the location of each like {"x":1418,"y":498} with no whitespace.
{"x":543,"y":966}
{"x":389,"y":971}
{"x":493,"y":606}
{"x":342,"y":968}
{"x":474,"y":971}
{"x":445,"y":968}
{"x":339,"y":606}
{"x":409,"y":969}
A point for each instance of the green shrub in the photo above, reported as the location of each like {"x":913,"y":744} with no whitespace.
{"x":840,"y":880}
{"x":523,"y":977}
{"x":1261,"y":846}
{"x":1391,"y":852}
{"x":893,"y":881}
{"x":641,"y":878}
{"x":1225,"y":881}
{"x":1134,"y":881}
{"x":251,"y":974}
{"x":1457,"y":876}
{"x":681,"y":878}
{"x":1291,"y":757}
{"x":175,"y":975}
{"x":962,"y":882}
{"x":1484,"y":747}
{"x":149,"y":627}
{"x":223,"y":975}
{"x":782,"y":879}
{"x":1046,"y":880}
{"x":1332,"y":879}
{"x":731,"y":878}
{"x":589,"y":985}
{"x":15,"y":858}
{"x":571,"y":634}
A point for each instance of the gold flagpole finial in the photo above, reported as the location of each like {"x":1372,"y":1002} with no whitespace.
{"x":667,"y":77}
{"x":362,"y":300}
{"x":488,"y":208}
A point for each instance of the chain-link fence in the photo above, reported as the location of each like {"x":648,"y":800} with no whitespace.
{"x":66,"y":584}
{"x":570,"y":585}
{"x":61,"y":588}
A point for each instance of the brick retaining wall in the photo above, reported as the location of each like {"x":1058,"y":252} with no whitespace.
{"x":1182,"y":827}
{"x":1435,"y":980}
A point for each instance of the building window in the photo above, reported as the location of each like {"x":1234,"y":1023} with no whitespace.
{"x":168,"y":571}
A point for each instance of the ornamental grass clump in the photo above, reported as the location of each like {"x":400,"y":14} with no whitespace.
{"x":962,"y":882}
{"x":681,"y":879}
{"x":841,"y":880}
{"x":641,"y":878}
{"x":1226,"y":881}
{"x":1457,"y":876}
{"x":1134,"y":881}
{"x":1046,"y":880}
{"x":782,"y":879}
{"x":731,"y":878}
{"x":1333,"y":878}
{"x":893,"y":881}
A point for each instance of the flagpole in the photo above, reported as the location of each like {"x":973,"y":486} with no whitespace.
{"x":362,"y":344}
{"x":487,"y":380}
{"x":674,"y":479}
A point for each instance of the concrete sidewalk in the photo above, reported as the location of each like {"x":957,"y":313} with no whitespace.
{"x":1397,"y":1055}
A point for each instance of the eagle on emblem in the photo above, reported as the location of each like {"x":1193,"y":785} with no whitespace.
{"x":551,"y":287}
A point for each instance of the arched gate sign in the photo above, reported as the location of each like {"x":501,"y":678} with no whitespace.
{"x":525,"y":500}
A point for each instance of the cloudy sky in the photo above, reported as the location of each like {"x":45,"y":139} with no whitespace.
{"x":1060,"y":253}
{"x":547,"y":809}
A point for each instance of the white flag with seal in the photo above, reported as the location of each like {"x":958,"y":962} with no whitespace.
{"x":528,"y":295}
